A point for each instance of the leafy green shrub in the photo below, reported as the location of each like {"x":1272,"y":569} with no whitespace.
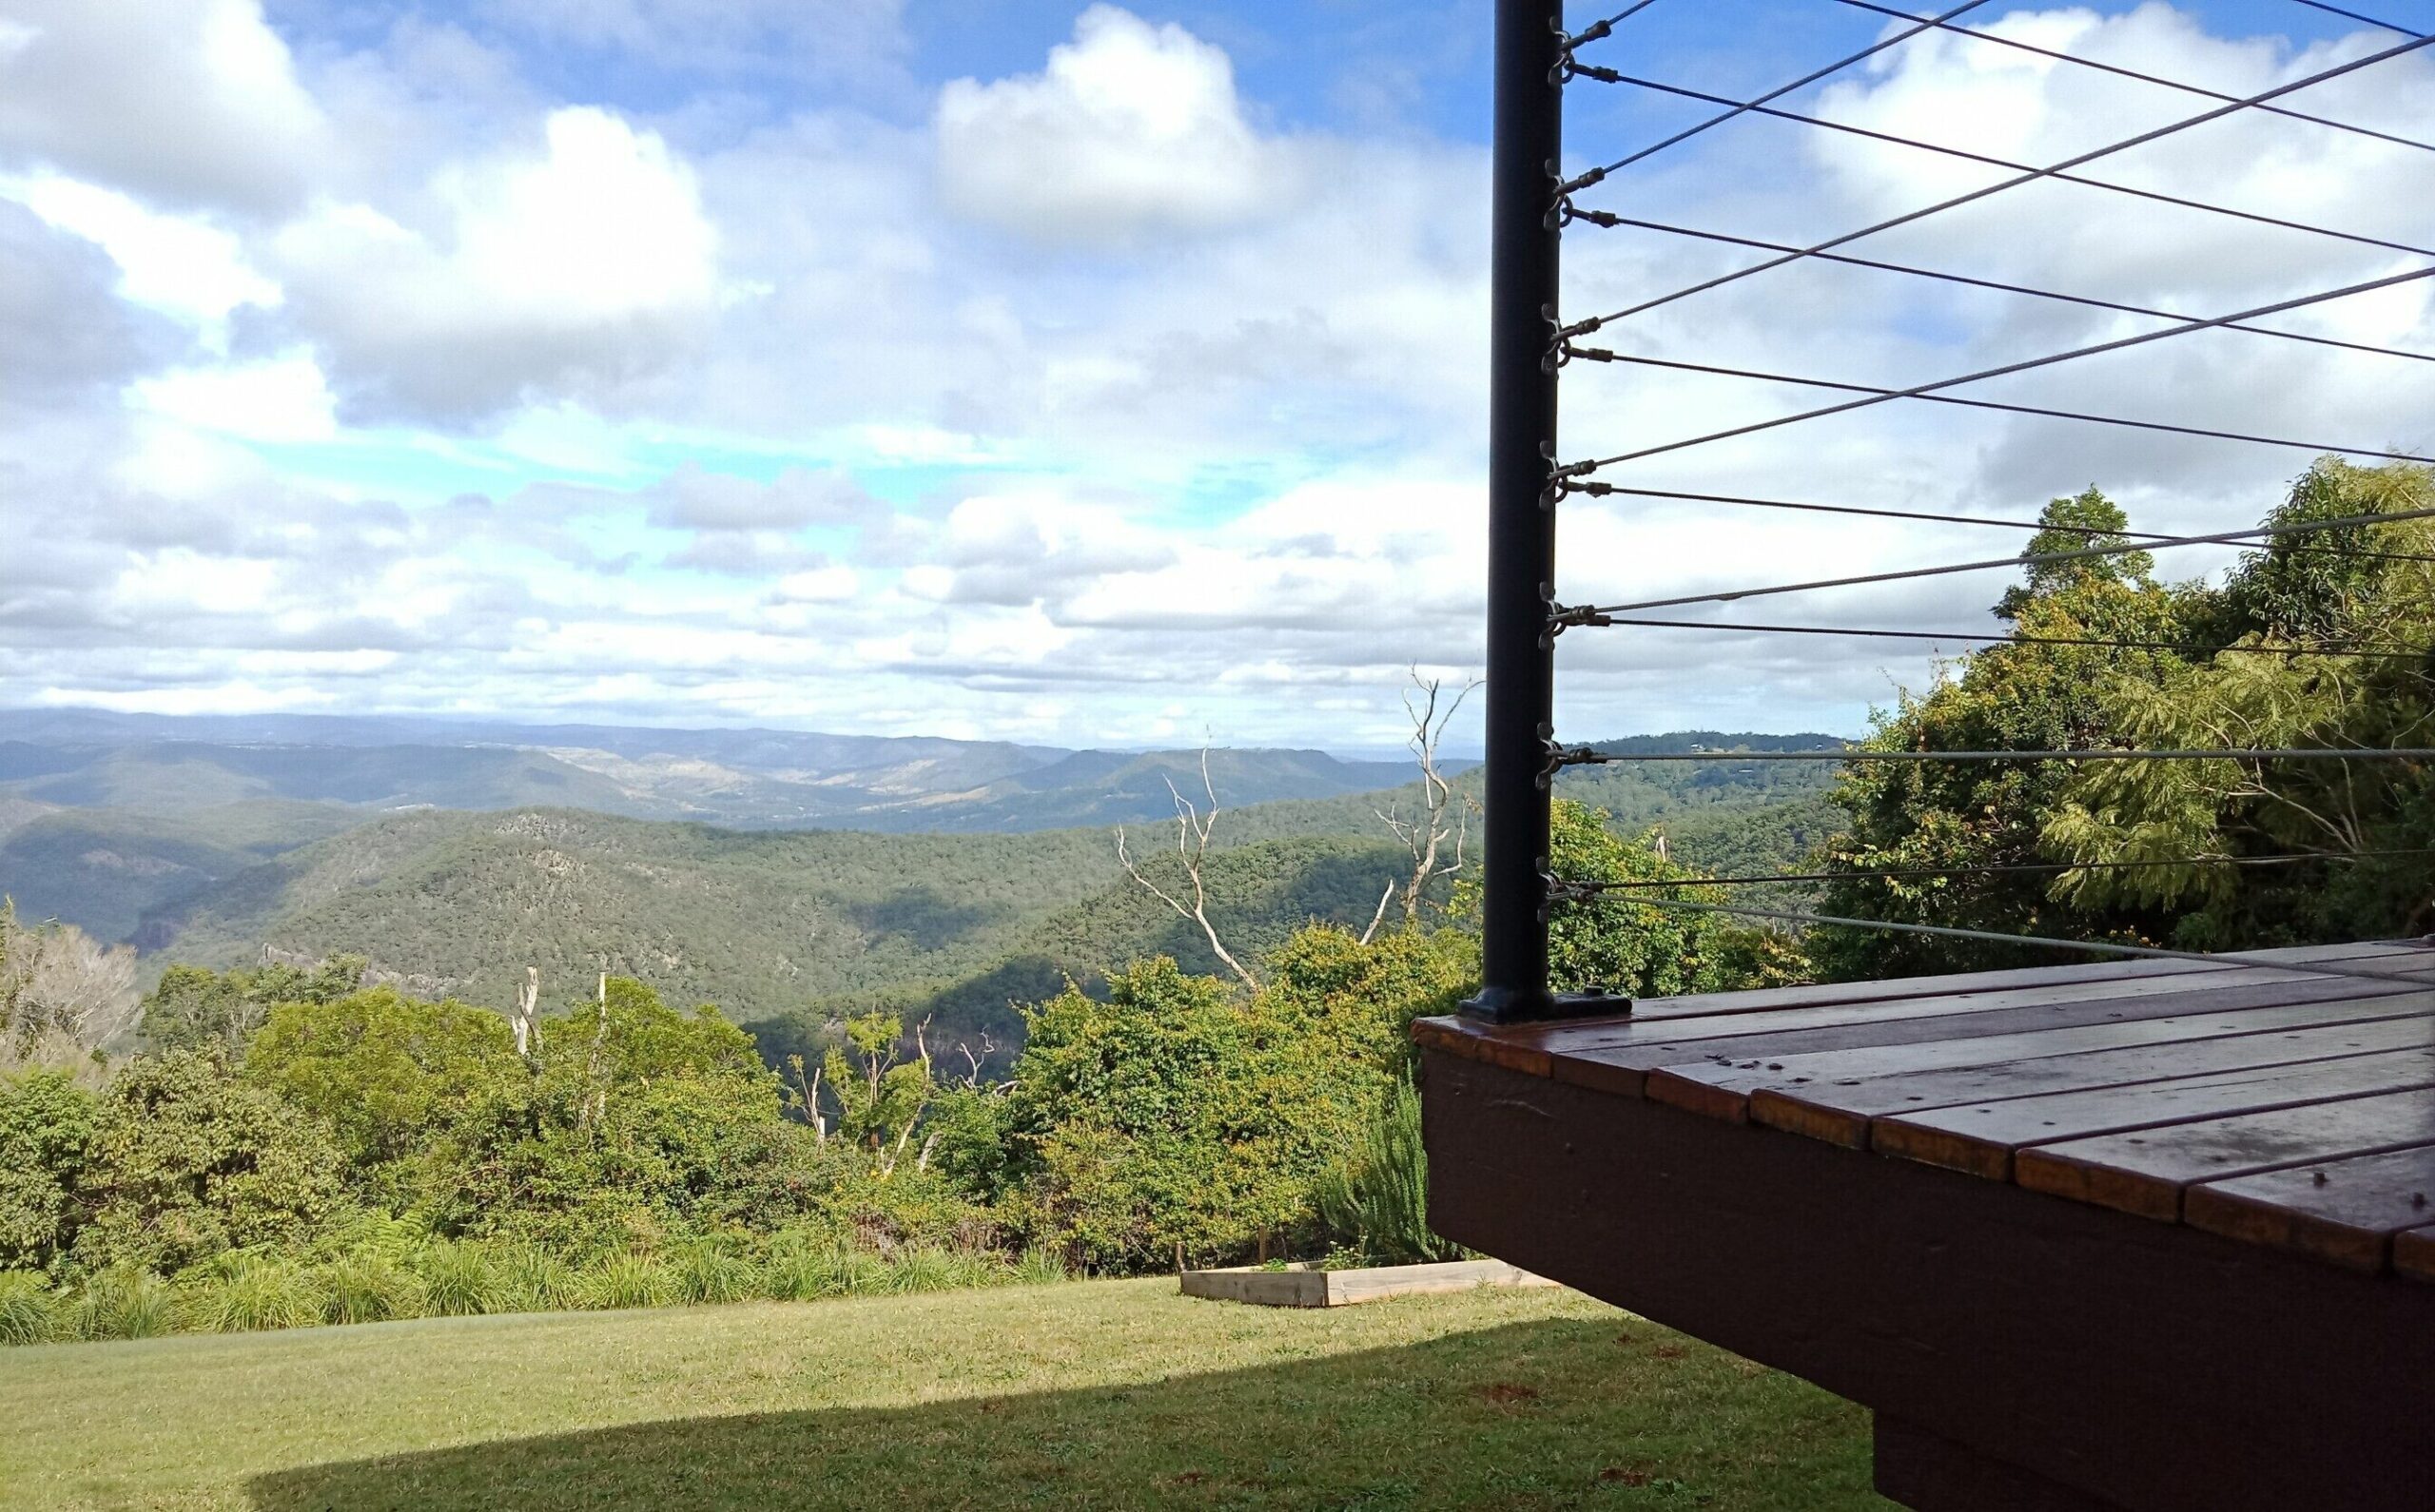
{"x":628,"y":1281}
{"x":909,"y":1206}
{"x":243,"y":1293}
{"x":369,"y":1287}
{"x":121,"y":1302}
{"x":460,"y":1280}
{"x":26,"y":1304}
{"x":186,"y":1161}
{"x":1040,"y":1266}
{"x":706,"y":1273}
{"x":532,"y":1279}
{"x":1615,"y":943}
{"x":1377,"y":1195}
{"x":45,"y":1125}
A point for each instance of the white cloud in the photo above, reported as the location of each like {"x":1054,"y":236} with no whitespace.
{"x":694,"y":498}
{"x":180,"y":579}
{"x":1211,"y":458}
{"x":236,"y":697}
{"x":582,"y":263}
{"x":820,"y":585}
{"x":186,"y":102}
{"x":1131,"y":128}
{"x":180,"y":265}
{"x":283,"y":400}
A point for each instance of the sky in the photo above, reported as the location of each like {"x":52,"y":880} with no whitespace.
{"x":1091,"y":374}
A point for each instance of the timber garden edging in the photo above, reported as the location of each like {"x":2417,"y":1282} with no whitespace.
{"x":1302,"y":1286}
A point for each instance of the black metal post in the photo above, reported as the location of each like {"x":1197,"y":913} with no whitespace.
{"x":1523,"y":266}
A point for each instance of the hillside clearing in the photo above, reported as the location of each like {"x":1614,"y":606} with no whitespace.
{"x":1099,"y":1394}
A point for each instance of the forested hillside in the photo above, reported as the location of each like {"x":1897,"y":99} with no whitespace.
{"x":462,"y":903}
{"x":103,"y":869}
{"x":800,"y":927}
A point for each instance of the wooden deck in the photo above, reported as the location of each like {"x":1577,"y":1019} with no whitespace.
{"x":2147,"y":1236}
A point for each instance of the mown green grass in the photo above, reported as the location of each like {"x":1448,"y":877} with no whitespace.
{"x":1087,"y":1395}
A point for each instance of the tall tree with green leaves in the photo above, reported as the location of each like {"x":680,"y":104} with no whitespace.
{"x":1620,"y":940}
{"x":1954,"y":825}
{"x":2363,"y":593}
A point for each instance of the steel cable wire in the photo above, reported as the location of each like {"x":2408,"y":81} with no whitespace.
{"x":1933,"y":392}
{"x":1992,"y":869}
{"x":1610,"y":220}
{"x":2042,"y":941}
{"x":1891,"y":138}
{"x":2182,"y":85}
{"x":2024,"y":559}
{"x":1972,"y":196}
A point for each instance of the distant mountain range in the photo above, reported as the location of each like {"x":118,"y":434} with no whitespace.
{"x":756,"y":778}
{"x":950,"y":878}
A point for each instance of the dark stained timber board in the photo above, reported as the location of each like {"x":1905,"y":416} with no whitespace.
{"x":2232,"y":1306}
{"x":1839,"y":1110}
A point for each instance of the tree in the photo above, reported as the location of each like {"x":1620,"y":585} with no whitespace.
{"x":1617,"y":941}
{"x":396,"y":1077}
{"x":1357,"y":998}
{"x":63,"y":997}
{"x":646,"y":1121}
{"x":1136,"y":1116}
{"x":194,"y":1009}
{"x":46,"y":1127}
{"x":186,"y":1160}
{"x":2086,"y":521}
{"x":1954,"y":833}
{"x":1193,"y":828}
{"x":2355,"y":591}
{"x":1426,"y":835}
{"x":880,"y":1093}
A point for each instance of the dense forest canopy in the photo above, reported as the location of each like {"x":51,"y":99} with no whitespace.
{"x":2320,"y":639}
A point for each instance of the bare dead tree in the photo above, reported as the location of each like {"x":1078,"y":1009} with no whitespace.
{"x":808,"y":1089}
{"x":65,"y":997}
{"x":1444,"y":814}
{"x":597,"y":1106}
{"x":921,"y":1055}
{"x":528,"y":1015}
{"x":974,"y":1063}
{"x":1194,"y":826}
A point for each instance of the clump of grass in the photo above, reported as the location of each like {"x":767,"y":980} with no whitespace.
{"x":707,"y":1273}
{"x":249,"y":1293}
{"x":369,"y":1287}
{"x":26,"y":1304}
{"x":459,"y":1280}
{"x":533,"y":1280}
{"x":926,"y":1268}
{"x":121,"y":1302}
{"x":628,"y":1281}
{"x":1040,"y":1266}
{"x":825,"y":1270}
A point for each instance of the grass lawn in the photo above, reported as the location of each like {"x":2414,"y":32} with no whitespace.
{"x":1097,"y":1395}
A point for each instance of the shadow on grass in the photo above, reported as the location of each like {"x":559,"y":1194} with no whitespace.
{"x":1544,"y":1414}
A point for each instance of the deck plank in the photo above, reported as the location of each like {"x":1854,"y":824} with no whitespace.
{"x":1988,"y":1138}
{"x":2145,"y":1172}
{"x":2414,"y":1253}
{"x":1584,"y":1037}
{"x":1744,"y":1062}
{"x":1703,"y":1005}
{"x":1835,"y":1097}
{"x":2346,"y":1212}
